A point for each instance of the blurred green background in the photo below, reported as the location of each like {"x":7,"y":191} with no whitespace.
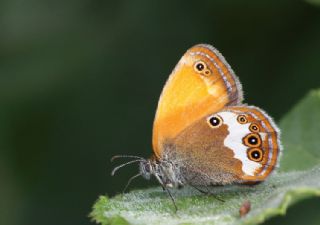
{"x":80,"y":81}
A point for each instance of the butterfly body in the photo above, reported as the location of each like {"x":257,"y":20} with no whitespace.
{"x":203,"y":134}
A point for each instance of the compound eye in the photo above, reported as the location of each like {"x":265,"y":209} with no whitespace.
{"x":255,"y":154}
{"x":254,"y":128}
{"x":200,"y":66}
{"x":242,"y":119}
{"x":252,"y":140}
{"x":215,"y":121}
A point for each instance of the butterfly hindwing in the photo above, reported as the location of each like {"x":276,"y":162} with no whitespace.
{"x":238,"y":144}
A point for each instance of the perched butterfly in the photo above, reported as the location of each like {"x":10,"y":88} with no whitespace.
{"x":203,"y":135}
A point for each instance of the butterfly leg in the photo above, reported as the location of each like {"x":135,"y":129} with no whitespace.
{"x":129,"y":181}
{"x":215,"y":196}
{"x":207,"y":192}
{"x":168,"y":192}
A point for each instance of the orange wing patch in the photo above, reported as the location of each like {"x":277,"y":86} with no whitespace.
{"x":193,"y":91}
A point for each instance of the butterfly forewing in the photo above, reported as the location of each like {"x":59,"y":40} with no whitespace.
{"x":201,"y":83}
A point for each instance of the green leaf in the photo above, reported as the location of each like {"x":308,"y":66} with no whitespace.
{"x":298,"y":178}
{"x":300,"y":135}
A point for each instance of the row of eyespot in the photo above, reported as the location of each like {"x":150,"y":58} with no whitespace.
{"x":215,"y":121}
{"x":252,"y":140}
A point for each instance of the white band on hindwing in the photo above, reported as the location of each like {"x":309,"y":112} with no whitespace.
{"x":234,"y":141}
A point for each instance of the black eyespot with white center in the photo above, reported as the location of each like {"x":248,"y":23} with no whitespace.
{"x":214,"y":121}
{"x":254,"y":128}
{"x":252,"y":140}
{"x":199,"y":66}
{"x":255,"y":154}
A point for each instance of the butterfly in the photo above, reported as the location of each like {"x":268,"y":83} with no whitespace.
{"x":203,"y":135}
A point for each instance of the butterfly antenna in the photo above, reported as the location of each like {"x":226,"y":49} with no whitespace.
{"x":129,"y":181}
{"x":124,"y":164}
{"x":125,"y":156}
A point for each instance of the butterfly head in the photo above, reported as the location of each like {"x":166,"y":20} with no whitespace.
{"x":146,"y":169}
